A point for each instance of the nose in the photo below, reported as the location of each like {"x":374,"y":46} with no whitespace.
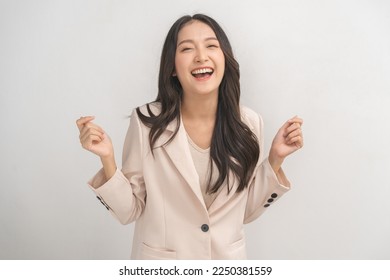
{"x":201,"y":56}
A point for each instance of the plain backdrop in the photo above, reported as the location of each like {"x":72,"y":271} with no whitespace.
{"x":327,"y":61}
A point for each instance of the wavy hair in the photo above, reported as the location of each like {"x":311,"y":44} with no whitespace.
{"x":234,"y":147}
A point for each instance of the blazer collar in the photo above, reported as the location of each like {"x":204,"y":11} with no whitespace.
{"x":179,"y":152}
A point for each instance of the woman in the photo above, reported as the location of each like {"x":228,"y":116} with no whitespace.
{"x":191,"y":172}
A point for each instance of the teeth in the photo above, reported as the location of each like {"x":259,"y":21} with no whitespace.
{"x":202,"y":71}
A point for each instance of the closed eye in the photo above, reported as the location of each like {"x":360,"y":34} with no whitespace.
{"x":186,"y":49}
{"x":212,"y":46}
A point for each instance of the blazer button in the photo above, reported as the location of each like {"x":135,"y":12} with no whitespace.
{"x":205,"y":228}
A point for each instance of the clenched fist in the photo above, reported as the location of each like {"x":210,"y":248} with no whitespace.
{"x":93,"y":138}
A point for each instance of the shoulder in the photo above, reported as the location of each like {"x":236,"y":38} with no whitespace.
{"x":149,"y":109}
{"x":141,"y":116}
{"x":251,"y":118}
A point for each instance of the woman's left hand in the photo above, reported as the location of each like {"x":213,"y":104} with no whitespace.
{"x":288,"y":139}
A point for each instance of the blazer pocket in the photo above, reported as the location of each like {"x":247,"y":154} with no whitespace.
{"x":237,"y":250}
{"x":151,"y":253}
{"x":237,"y":244}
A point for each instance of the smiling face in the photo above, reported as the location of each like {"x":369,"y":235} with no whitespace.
{"x":199,"y":60}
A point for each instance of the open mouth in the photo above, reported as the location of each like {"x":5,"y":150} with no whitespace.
{"x":202,"y":73}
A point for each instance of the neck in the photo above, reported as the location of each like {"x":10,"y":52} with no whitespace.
{"x":199,"y":107}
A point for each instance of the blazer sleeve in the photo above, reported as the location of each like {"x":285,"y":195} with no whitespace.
{"x":124,"y":194}
{"x":265,"y":187}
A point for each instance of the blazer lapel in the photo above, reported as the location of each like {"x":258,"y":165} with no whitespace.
{"x":179,"y":152}
{"x":223,"y":197}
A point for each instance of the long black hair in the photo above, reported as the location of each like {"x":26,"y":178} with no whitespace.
{"x":234,"y":147}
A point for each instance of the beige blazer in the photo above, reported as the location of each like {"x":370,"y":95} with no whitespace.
{"x":162,"y":194}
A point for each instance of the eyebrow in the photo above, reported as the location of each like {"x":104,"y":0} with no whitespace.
{"x":191,"y":41}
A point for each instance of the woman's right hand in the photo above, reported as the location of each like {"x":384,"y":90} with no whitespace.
{"x":93,"y":138}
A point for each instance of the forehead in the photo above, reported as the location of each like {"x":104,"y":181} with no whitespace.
{"x":195,"y":30}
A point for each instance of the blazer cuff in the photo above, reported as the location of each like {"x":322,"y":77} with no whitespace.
{"x":99,"y":182}
{"x":264,"y":191}
{"x":281,"y":177}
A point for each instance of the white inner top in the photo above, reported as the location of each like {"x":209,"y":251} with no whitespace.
{"x":201,"y":158}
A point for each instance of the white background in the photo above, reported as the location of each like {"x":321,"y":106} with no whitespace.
{"x":327,"y":61}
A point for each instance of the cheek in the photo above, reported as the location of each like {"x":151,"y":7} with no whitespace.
{"x":221,"y":60}
{"x":179,"y":65}
{"x":221,"y":64}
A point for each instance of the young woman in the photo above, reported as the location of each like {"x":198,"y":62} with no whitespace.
{"x":192,"y":173}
